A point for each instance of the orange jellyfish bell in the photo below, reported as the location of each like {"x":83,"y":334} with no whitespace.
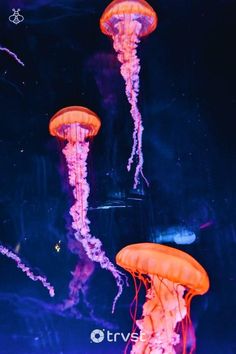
{"x":139,"y":9}
{"x":165,"y":262}
{"x":70,"y":122}
{"x":171,"y":277}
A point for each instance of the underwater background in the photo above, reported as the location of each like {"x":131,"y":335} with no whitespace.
{"x":187,"y":99}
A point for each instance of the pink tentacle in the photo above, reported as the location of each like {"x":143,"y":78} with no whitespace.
{"x":76,"y":157}
{"x":9,"y":254}
{"x":125,"y":44}
{"x":13,"y":55}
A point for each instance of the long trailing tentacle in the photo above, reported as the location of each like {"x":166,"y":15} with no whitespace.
{"x":125,"y":43}
{"x":25,"y":269}
{"x":12,"y":54}
{"x":76,"y":156}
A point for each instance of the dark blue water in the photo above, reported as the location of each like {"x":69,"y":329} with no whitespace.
{"x":187,"y":99}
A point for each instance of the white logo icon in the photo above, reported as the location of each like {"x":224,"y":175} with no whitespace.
{"x":16,"y":17}
{"x":97,"y":336}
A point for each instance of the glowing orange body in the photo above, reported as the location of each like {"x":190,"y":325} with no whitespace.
{"x":143,"y":11}
{"x":69,"y":116}
{"x":166,"y":262}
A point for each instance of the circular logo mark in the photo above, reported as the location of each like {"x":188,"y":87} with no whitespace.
{"x":97,"y":336}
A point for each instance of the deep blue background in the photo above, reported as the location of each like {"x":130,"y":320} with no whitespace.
{"x":188,"y":103}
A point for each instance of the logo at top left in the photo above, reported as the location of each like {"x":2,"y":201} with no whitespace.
{"x":16,"y":17}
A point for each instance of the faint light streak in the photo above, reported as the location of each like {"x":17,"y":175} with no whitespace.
{"x":206,"y":225}
{"x":107,"y":207}
{"x":17,"y":248}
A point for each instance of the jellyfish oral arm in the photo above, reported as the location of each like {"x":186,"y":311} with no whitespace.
{"x":164,"y":308}
{"x":76,"y":153}
{"x":125,"y":41}
{"x":6,"y":252}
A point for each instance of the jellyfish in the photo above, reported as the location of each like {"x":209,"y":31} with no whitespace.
{"x":171,"y":278}
{"x":126,"y":21}
{"x":77,"y":125}
{"x":25,"y":269}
